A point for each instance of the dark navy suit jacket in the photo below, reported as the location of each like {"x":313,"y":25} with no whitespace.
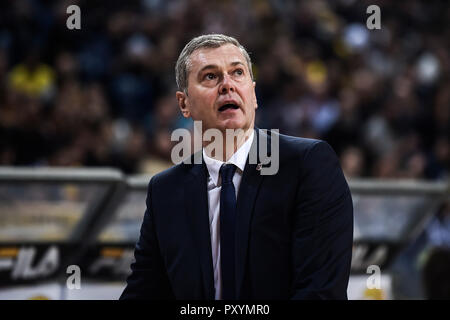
{"x":294,"y":230}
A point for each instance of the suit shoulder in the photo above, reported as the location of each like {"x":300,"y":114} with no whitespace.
{"x":300,"y":146}
{"x":170,"y":175}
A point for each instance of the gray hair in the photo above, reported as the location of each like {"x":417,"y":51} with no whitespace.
{"x":204,"y":41}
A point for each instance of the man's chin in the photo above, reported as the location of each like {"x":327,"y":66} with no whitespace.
{"x":233,"y":124}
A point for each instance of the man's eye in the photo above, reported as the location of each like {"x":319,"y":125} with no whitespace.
{"x":210,"y":76}
{"x":239,"y":72}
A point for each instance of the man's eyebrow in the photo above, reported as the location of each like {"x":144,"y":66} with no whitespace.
{"x":236,"y":63}
{"x":214,"y":66}
{"x":209,"y":66}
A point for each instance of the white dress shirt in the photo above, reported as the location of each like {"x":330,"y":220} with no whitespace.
{"x":239,"y":159}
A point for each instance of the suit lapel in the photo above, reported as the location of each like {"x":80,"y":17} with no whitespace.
{"x":248,"y":191}
{"x":196,"y":200}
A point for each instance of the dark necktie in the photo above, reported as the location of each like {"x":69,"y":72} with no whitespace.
{"x":227,"y":230}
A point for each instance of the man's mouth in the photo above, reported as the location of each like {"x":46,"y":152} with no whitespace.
{"x":228,"y":106}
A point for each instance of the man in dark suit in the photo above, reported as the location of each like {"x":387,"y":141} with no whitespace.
{"x":219,"y":228}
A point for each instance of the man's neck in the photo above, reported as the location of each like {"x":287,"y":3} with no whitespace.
{"x":231,"y":143}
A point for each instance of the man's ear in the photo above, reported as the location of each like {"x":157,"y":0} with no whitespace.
{"x":184,"y":108}
{"x":254,"y":94}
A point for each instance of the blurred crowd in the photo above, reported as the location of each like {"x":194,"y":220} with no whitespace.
{"x":104,"y":95}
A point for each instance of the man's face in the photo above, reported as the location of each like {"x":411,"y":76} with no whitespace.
{"x":220,"y":90}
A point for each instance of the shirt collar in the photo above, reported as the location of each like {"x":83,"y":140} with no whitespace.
{"x":239,"y":159}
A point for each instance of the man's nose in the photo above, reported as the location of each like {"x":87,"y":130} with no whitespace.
{"x":227,"y":85}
